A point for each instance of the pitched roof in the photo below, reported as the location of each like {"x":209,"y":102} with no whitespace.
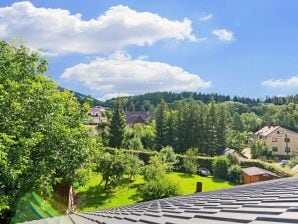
{"x":265,"y":131}
{"x":268,"y":202}
{"x":134,"y":116}
{"x":253,"y":171}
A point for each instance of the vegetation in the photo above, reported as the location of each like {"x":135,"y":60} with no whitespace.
{"x":234,"y":173}
{"x":190,"y":164}
{"x":95,"y":197}
{"x":220,"y":167}
{"x":42,"y":137}
{"x":259,"y":149}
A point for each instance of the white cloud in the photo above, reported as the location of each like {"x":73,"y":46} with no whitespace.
{"x":58,"y":31}
{"x":206,"y":18}
{"x":113,"y":95}
{"x":121,"y":74}
{"x":224,"y":35}
{"x":276,"y":83}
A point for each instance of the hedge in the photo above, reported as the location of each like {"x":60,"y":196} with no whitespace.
{"x":206,"y":162}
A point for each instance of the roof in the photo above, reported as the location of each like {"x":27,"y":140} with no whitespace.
{"x":254,"y":171}
{"x":137,"y":116}
{"x":268,"y":202}
{"x":265,"y":131}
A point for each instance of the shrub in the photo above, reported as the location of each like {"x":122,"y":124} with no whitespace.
{"x":293,"y":162}
{"x":234,"y":173}
{"x":220,"y":167}
{"x":190,"y":163}
{"x":233,"y":158}
{"x":259,"y":149}
{"x":156,"y":168}
{"x":169,"y":157}
{"x":156,"y":189}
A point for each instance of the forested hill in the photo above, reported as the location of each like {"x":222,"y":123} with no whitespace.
{"x":149,"y":101}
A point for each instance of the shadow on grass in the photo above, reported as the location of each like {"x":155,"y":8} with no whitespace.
{"x":185,"y":175}
{"x":95,"y":196}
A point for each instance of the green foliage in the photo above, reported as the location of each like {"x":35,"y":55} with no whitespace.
{"x":190,"y":164}
{"x":259,"y":149}
{"x":160,"y":117}
{"x":234,"y":173}
{"x":117,"y":126}
{"x":112,"y":168}
{"x":233,"y":158}
{"x":42,"y":137}
{"x":169,"y":157}
{"x":133,"y":165}
{"x":293,"y":162}
{"x":156,"y":168}
{"x":220,"y":167}
{"x":156,"y":189}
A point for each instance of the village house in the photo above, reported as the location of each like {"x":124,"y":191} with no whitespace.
{"x":134,"y":117}
{"x":97,"y":115}
{"x":281,"y":141}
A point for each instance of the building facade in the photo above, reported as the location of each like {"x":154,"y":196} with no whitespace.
{"x":281,"y":141}
{"x":97,"y":115}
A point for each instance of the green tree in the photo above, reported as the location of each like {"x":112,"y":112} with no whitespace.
{"x":220,"y":167}
{"x":259,"y":149}
{"x":237,"y":122}
{"x":112,"y":168}
{"x":190,"y":163}
{"x":169,"y":157}
{"x":117,"y":126}
{"x":234,"y":173}
{"x":42,"y":137}
{"x":160,"y":117}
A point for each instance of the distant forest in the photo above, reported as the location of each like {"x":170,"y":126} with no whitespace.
{"x":149,"y":101}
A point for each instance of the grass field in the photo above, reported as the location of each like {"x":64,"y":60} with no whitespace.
{"x":93,"y":196}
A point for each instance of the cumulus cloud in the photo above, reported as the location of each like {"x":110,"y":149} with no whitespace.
{"x":277,"y":83}
{"x":206,"y":18}
{"x":224,"y":35}
{"x":122,"y":74}
{"x":58,"y":31}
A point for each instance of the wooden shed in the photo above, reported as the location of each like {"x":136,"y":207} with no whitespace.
{"x":256,"y":174}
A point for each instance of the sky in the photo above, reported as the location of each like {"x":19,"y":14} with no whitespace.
{"x":115,"y":48}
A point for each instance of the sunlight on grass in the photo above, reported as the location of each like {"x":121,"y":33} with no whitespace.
{"x":94,"y":196}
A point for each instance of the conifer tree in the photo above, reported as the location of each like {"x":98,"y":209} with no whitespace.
{"x":161,"y":125}
{"x":117,"y":126}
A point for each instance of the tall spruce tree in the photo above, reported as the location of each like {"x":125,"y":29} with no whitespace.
{"x":222,"y":130}
{"x":161,"y":125}
{"x":212,"y":129}
{"x":117,"y":125}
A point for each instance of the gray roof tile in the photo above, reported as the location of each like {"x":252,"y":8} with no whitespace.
{"x":261,"y":203}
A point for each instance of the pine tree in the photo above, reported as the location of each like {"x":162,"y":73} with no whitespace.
{"x":211,"y":129}
{"x":170,"y":128}
{"x":117,"y":125}
{"x":161,"y":125}
{"x":222,"y":130}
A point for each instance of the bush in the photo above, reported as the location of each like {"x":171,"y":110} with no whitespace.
{"x":293,"y":162}
{"x":156,"y":168}
{"x":220,"y":167}
{"x":169,"y":157}
{"x":259,"y":149}
{"x":233,"y":158}
{"x":190,"y":163}
{"x":234,"y":173}
{"x":157,"y":189}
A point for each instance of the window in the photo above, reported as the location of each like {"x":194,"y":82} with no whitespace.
{"x":274,"y":149}
{"x":274,"y":139}
{"x":289,"y":149}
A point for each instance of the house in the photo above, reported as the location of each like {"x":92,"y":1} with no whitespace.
{"x":269,"y":202}
{"x":134,"y":117}
{"x":97,"y":115}
{"x":256,"y":174}
{"x":281,"y":141}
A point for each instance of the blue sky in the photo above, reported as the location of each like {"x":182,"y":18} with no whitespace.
{"x":244,"y":48}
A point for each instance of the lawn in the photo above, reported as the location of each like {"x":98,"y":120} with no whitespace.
{"x":94,"y":197}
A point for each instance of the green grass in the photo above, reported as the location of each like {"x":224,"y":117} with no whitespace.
{"x":93,"y":196}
